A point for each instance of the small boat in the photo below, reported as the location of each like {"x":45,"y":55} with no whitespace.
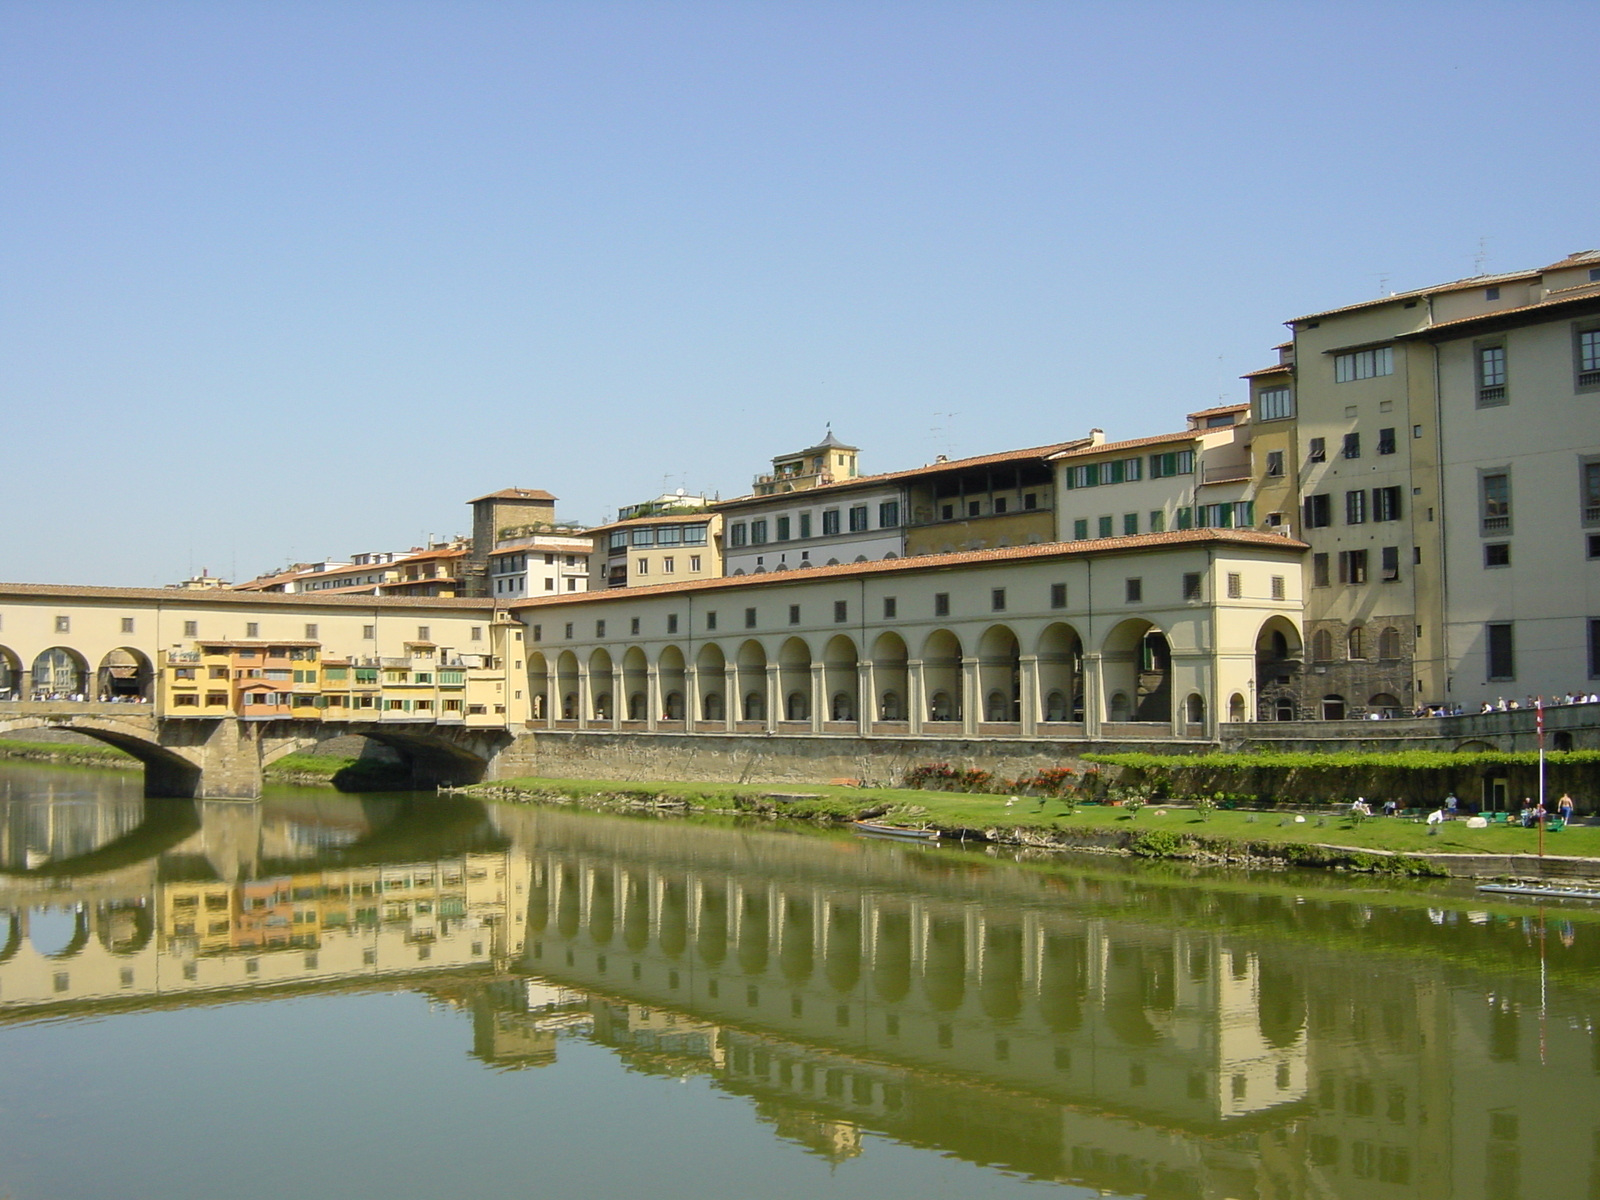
{"x":1533,"y":889}
{"x":895,"y":831}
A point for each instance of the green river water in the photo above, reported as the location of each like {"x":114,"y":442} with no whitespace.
{"x":413,"y":996}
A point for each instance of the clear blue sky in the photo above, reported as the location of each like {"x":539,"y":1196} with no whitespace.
{"x":289,"y":280}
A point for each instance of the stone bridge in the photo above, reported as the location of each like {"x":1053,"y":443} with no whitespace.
{"x":226,"y":757}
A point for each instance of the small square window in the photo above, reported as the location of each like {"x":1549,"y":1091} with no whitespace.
{"x":1497,"y":554}
{"x":64,"y":624}
{"x":1135,"y":590}
{"x":127,"y":624}
{"x":1191,"y":585}
{"x":192,"y":629}
{"x":369,"y":633}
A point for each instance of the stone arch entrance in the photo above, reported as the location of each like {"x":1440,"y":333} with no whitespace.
{"x":125,"y":674}
{"x":60,"y":674}
{"x":1137,"y":664}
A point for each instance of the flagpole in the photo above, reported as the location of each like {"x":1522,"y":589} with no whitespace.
{"x":1538,"y":708}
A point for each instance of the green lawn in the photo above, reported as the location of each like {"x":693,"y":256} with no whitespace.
{"x":954,"y":810}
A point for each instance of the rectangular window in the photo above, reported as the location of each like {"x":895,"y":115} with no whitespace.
{"x":1363,"y":364}
{"x":694,"y":562}
{"x":1185,"y":518}
{"x":1135,"y":590}
{"x":997,"y":599}
{"x":780,"y":529}
{"x":1130,"y":524}
{"x":641,"y":566}
{"x":941,"y":604}
{"x":1166,"y":466}
{"x":1319,"y":511}
{"x":599,"y":629}
{"x":190,"y":629}
{"x":1491,"y":362}
{"x":889,"y":514}
{"x":633,"y":626}
{"x":1030,"y":502}
{"x":669,"y":564}
{"x":858,"y":518}
{"x":805,"y":525}
{"x":1352,"y":566}
{"x":1275,"y":464}
{"x":369,"y":633}
{"x":749,"y":618}
{"x":644,"y":537}
{"x":1590,"y":483}
{"x":1391,"y":564}
{"x":758,"y":532}
{"x":1501,"y":651}
{"x":694,"y":535}
{"x":1497,"y":554}
{"x":1594,"y":649}
{"x":1080,"y":531}
{"x":64,"y":625}
{"x":617,"y":541}
{"x":738,"y":534}
{"x":424,"y":633}
{"x":1352,"y":445}
{"x":1355,"y":507}
{"x":1317,"y":450}
{"x":974,"y":508}
{"x":1000,"y":504}
{"x":890,"y":607}
{"x":841,"y":610}
{"x":711,"y":620}
{"x":1105,"y":527}
{"x":1274,"y":404}
{"x":1586,"y":351}
{"x":671,"y":535}
{"x":1235,"y":585}
{"x":1192,"y":585}
{"x":1279,"y":590}
{"x":830,"y":522}
{"x":1496,"y":501}
{"x":1158,"y":521}
{"x":1319,"y":570}
{"x":569,"y":630}
{"x":794,"y":614}
{"x":1386,"y":443}
{"x":672,"y":622}
{"x":1058,"y":595}
{"x":127,"y":624}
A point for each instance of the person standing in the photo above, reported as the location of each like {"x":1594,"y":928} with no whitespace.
{"x":1564,"y":807}
{"x":1450,"y":803}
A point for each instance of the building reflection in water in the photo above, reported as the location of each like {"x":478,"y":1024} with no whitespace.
{"x":1123,"y":1030}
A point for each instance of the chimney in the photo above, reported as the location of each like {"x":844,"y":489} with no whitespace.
{"x":1097,"y":437}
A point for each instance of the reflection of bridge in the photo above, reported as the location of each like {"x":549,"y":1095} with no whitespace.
{"x":226,"y":757}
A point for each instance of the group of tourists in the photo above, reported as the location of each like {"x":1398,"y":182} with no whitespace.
{"x":1533,"y":812}
{"x":1501,"y":704}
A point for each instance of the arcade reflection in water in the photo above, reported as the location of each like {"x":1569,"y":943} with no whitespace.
{"x":1124,"y":1030}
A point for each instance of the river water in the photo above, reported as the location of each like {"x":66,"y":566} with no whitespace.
{"x":410,"y":996}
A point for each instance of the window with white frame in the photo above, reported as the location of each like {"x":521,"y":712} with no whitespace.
{"x":1274,"y":404}
{"x":1363,"y":364}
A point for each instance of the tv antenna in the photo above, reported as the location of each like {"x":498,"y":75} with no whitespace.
{"x":1482,"y":256}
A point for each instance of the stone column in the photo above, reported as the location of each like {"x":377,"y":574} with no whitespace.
{"x":585,"y":696}
{"x":619,"y":695}
{"x":774,"y":698}
{"x":652,"y":697}
{"x":691,"y":700}
{"x":1029,"y":667}
{"x":819,"y":696}
{"x":1094,"y":686}
{"x":971,"y":697}
{"x":732,"y":701}
{"x":866,"y":697}
{"x":916,"y":695}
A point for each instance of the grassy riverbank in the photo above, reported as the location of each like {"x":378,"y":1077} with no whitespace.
{"x":1156,"y":830}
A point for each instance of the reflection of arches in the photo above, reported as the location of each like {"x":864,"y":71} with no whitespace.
{"x":711,"y":938}
{"x":126,"y":927}
{"x":1063,"y":977}
{"x":891,"y":959}
{"x":753,"y":933}
{"x":1333,"y":708}
{"x":59,"y":673}
{"x":1061,"y":673}
{"x":1137,"y":662}
{"x":636,"y":915}
{"x":125,"y":674}
{"x":1281,"y":1006}
{"x":941,"y":673}
{"x":1236,"y":707}
{"x":674,"y":914}
{"x":1000,"y":990}
{"x":843,"y":964}
{"x":945,"y":967}
{"x":602,"y":908}
{"x":795,"y":953}
{"x":59,"y":933}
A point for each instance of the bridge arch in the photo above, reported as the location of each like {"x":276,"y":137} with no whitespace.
{"x":167,"y":772}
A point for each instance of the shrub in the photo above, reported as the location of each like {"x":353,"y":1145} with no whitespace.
{"x":1160,"y":843}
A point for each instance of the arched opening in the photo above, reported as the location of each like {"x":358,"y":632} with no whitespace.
{"x":1063,"y":981}
{"x":636,"y":684}
{"x":1280,"y":1006}
{"x":59,"y":932}
{"x":602,"y":908}
{"x":1333,"y":708}
{"x":1283,"y":709}
{"x":1389,"y":644}
{"x":1061,"y":673}
{"x":1279,"y":661}
{"x":1562,"y":740}
{"x":567,"y":684}
{"x":794,"y":679}
{"x":636,"y":914}
{"x":1356,"y":642}
{"x":11,"y":685}
{"x":711,"y":668}
{"x":1236,"y":712}
{"x":60,"y":674}
{"x":124,"y":926}
{"x":670,"y":678}
{"x":1194,"y":709}
{"x":841,"y":678}
{"x":941,"y":675}
{"x":1322,"y":646}
{"x":539,"y":686}
{"x":600,"y":685}
{"x":752,"y":671}
{"x":1000,"y":675}
{"x":1137,"y":663}
{"x":124,"y":675}
{"x":1000,"y":990}
{"x":1384,"y":704}
{"x":890,"y":676}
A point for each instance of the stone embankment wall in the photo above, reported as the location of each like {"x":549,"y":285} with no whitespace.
{"x":1573,"y":726}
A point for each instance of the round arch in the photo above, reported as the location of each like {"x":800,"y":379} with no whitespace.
{"x":60,"y":673}
{"x":11,"y":681}
{"x":751,"y":666}
{"x":1333,"y":707}
{"x":125,"y":674}
{"x":1060,"y":651}
{"x":672,"y":679}
{"x":1000,"y":674}
{"x":840,"y":678}
{"x":635,"y":699}
{"x":941,"y":675}
{"x":601,"y":707}
{"x":794,"y":679}
{"x":890,"y":677}
{"x":539,"y":685}
{"x":1136,"y":661}
{"x":567,"y":686}
{"x":1280,"y":655}
{"x":711,"y":674}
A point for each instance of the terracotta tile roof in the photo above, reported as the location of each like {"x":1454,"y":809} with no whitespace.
{"x":213,"y":596}
{"x":1558,"y":301}
{"x":1187,"y":435}
{"x":1456,"y":285}
{"x":516,"y":494}
{"x":679,"y":519}
{"x":933,"y":562}
{"x":1243,"y":406}
{"x":933,"y":468}
{"x":1280,"y":369}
